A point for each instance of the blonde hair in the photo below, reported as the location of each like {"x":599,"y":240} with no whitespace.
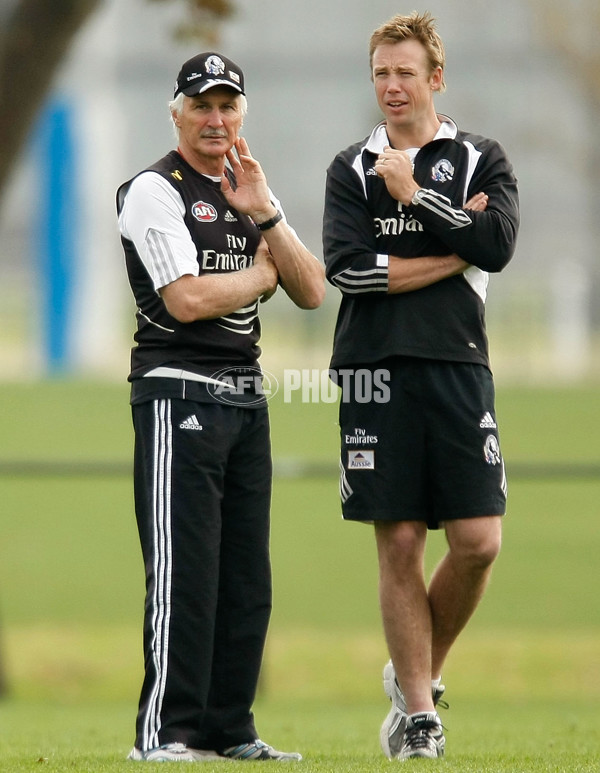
{"x":416,"y":26}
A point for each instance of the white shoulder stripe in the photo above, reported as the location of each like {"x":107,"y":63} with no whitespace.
{"x":358,"y":168}
{"x":474,"y":156}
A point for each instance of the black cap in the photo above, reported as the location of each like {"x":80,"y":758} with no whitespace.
{"x":205,"y":71}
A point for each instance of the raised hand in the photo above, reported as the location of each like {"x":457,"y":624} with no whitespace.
{"x":252,"y":193}
{"x":396,"y":169}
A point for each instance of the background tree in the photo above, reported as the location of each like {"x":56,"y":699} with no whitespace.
{"x":35,"y":35}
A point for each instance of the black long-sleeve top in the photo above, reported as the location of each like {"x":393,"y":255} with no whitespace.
{"x":364,"y":225}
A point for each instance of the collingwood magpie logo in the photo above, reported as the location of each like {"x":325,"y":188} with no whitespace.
{"x":491,"y":450}
{"x":443,"y":171}
{"x":214,"y":65}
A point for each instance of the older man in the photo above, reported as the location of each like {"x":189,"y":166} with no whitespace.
{"x":205,"y":240}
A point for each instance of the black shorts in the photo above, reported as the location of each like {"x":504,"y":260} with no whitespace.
{"x":426,"y":448}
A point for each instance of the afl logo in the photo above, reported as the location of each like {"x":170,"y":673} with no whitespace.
{"x":204,"y":212}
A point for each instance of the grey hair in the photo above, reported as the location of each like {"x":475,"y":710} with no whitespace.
{"x":176,"y":106}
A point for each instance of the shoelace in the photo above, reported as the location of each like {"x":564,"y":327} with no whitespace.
{"x":247,"y":750}
{"x":437,"y":698}
{"x":175,"y":748}
{"x":419,"y":737}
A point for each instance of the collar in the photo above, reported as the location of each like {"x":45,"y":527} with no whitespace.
{"x":379,"y":137}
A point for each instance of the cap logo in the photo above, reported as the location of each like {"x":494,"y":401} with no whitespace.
{"x":214,"y":65}
{"x":205,"y":71}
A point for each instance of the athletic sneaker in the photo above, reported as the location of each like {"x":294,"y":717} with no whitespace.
{"x":423,"y":737}
{"x":173,"y":752}
{"x":392,"y":730}
{"x":258,"y":750}
{"x":394,"y":725}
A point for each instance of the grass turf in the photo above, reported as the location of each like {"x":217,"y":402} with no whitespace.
{"x":522,"y":681}
{"x":527,"y":737}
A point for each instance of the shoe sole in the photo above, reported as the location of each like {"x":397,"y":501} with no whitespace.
{"x":136,"y":755}
{"x":396,"y":719}
{"x":394,"y":723}
{"x":419,"y":756}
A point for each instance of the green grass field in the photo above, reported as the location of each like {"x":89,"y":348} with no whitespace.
{"x":522,"y":683}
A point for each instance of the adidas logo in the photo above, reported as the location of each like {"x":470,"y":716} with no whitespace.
{"x":230,"y":217}
{"x":487,"y":422}
{"x":191,"y":423}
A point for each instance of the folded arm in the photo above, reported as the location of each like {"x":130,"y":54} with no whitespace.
{"x":485,"y":238}
{"x":408,"y":274}
{"x":191,"y":298}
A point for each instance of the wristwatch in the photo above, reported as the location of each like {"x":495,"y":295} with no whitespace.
{"x":417,"y":196}
{"x":270,"y":223}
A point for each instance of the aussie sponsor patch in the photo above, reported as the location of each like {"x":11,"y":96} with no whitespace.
{"x":361,"y":460}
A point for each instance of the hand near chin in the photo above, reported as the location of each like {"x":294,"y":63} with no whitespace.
{"x":396,"y":169}
{"x":251,"y":195}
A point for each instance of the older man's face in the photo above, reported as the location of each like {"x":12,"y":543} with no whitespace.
{"x":209,"y":124}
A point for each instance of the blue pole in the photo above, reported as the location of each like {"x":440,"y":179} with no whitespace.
{"x":56,"y":243}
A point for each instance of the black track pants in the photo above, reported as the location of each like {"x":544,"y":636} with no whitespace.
{"x":202,"y":497}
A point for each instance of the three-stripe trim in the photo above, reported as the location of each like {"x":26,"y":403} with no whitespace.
{"x":355,"y":281}
{"x":162,"y":566}
{"x":442,"y":207}
{"x":345,"y":488}
{"x":162,"y":258}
